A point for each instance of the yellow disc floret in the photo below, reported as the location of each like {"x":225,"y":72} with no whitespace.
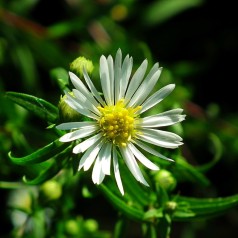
{"x":117,"y":122}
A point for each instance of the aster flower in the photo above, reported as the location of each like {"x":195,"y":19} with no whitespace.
{"x":116,"y":126}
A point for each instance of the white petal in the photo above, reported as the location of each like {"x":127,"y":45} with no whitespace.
{"x":157,"y":97}
{"x":75,"y":125}
{"x":126,"y":72}
{"x":105,"y":80}
{"x":117,"y":171}
{"x":79,"y":85}
{"x":81,"y":147}
{"x":89,"y":156}
{"x":160,"y":138}
{"x":106,"y":160}
{"x":111,"y":76}
{"x":142,"y":158}
{"x":150,"y":150}
{"x":117,"y":68}
{"x":132,"y":165}
{"x":163,"y":119}
{"x":81,"y":133}
{"x":98,"y":174}
{"x":85,"y":102}
{"x":73,"y":103}
{"x":92,"y":87}
{"x":136,"y":80}
{"x":145,"y":88}
{"x":97,"y":169}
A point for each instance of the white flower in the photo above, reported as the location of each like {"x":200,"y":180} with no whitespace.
{"x":116,"y":126}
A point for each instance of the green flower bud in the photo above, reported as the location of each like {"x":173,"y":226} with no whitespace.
{"x":72,"y":227}
{"x":170,"y":206}
{"x":79,"y":64}
{"x":51,"y":189}
{"x":66,"y":112}
{"x":91,"y":225}
{"x":165,"y":179}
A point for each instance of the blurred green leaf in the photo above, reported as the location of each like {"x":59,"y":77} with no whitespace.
{"x":190,"y":172}
{"x":162,"y":10}
{"x":38,"y":106}
{"x":153,"y":213}
{"x":217,"y":154}
{"x":61,"y":76}
{"x":61,"y":29}
{"x":40,"y":155}
{"x":118,"y":202}
{"x":25,"y":62}
{"x":39,"y":224}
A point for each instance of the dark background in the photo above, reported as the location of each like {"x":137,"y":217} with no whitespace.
{"x":199,"y":46}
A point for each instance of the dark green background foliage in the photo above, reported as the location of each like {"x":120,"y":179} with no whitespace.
{"x":195,"y":41}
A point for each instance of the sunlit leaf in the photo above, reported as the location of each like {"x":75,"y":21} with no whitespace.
{"x":38,"y":106}
{"x":40,"y":155}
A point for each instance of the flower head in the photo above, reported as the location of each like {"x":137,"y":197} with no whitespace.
{"x":116,"y":128}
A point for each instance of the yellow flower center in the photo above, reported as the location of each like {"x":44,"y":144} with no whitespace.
{"x":117,"y":123}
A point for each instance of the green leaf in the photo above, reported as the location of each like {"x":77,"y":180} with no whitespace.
{"x":38,"y":106}
{"x":217,"y":154}
{"x":164,"y":226}
{"x":133,"y":188}
{"x":59,"y":161}
{"x":40,"y":155}
{"x":200,"y":208}
{"x":160,"y":11}
{"x":153,"y":213}
{"x":61,"y":76}
{"x":118,"y":202}
{"x":190,"y":172}
{"x":121,"y":227}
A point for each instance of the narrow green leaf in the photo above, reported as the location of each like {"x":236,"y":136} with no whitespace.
{"x":38,"y":106}
{"x":195,"y":208}
{"x":151,"y":231}
{"x":11,"y":185}
{"x":59,"y":161}
{"x":120,"y":228}
{"x":122,"y":206}
{"x":164,"y":226}
{"x":40,"y":155}
{"x":217,"y":154}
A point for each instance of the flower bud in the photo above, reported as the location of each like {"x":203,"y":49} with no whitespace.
{"x":51,"y":189}
{"x":170,"y":206}
{"x":91,"y":225}
{"x":72,"y":227}
{"x":165,"y":179}
{"x":79,"y":64}
{"x":66,"y":112}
